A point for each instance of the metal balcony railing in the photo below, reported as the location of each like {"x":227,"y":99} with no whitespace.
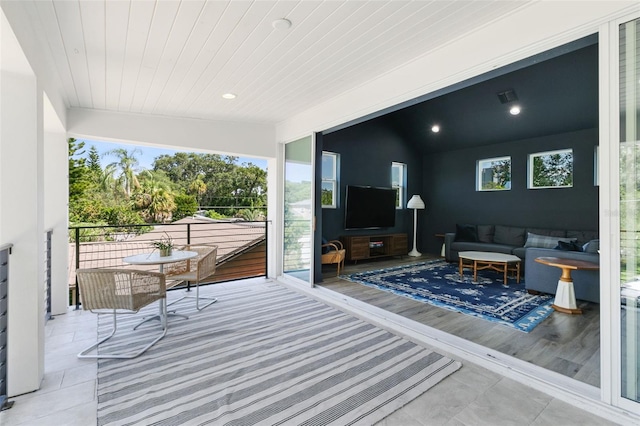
{"x":5,"y":251}
{"x":241,"y":245}
{"x":47,"y":274}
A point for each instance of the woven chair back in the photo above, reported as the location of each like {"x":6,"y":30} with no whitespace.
{"x":120,"y":289}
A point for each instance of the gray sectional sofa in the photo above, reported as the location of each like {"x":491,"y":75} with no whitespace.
{"x":527,"y":244}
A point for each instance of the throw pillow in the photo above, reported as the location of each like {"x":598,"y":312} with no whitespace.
{"x":568,"y":246}
{"x":466,"y":233}
{"x":544,"y":241}
{"x":509,"y":235}
{"x":551,"y":232}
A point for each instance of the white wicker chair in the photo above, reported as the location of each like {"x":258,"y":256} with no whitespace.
{"x":121,"y":291}
{"x":195,"y":271}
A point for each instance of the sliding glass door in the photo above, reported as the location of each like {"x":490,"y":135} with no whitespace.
{"x":298,"y":209}
{"x":629,"y":73}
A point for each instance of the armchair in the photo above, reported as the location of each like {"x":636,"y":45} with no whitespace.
{"x":121,"y":291}
{"x":333,"y":252}
{"x":195,"y":271}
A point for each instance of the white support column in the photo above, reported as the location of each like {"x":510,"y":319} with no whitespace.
{"x":21,"y":212}
{"x":56,"y":206}
{"x":274,"y":206}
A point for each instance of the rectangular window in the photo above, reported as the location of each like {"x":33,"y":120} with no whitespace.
{"x":494,"y":174}
{"x":551,"y":169}
{"x":399,"y":182}
{"x":329,"y":180}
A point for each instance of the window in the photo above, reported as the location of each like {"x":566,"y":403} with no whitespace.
{"x":494,"y":174}
{"x":398,"y":182}
{"x":330,"y":179}
{"x":551,"y":169}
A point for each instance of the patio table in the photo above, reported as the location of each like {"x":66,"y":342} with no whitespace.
{"x":154,"y":258}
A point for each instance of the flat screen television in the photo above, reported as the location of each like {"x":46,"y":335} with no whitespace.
{"x":370,"y":207}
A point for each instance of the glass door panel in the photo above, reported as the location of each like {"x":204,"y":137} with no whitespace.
{"x":298,"y":209}
{"x":629,"y":37}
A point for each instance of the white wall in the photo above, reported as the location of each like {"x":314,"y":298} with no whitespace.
{"x":528,"y":31}
{"x":225,"y":137}
{"x":21,"y":213}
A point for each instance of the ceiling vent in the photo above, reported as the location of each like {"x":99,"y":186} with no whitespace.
{"x":507,"y":96}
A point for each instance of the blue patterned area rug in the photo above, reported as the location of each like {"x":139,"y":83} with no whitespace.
{"x":439,"y":283}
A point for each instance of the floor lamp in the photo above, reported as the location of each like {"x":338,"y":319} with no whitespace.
{"x":416,"y":204}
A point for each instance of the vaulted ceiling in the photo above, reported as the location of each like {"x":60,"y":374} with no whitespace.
{"x":557,"y":92}
{"x":176,"y":58}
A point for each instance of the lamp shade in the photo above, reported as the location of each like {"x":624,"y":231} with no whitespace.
{"x":415,"y":203}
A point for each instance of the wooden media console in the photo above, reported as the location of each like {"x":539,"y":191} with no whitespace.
{"x":362,"y":247}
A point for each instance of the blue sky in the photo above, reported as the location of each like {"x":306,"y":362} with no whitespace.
{"x":147,"y":154}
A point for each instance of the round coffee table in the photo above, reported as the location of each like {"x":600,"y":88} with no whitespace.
{"x":479,"y":260}
{"x":565,"y":300}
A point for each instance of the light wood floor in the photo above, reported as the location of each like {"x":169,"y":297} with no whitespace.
{"x":567,"y":344}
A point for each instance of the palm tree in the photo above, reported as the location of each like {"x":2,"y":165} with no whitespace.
{"x":155,"y":197}
{"x":126,"y":164}
{"x":107,"y":181}
{"x":198,"y":187}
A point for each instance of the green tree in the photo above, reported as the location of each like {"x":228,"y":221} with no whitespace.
{"x":78,"y":172}
{"x":502,"y":173}
{"x":553,"y":170}
{"x":186,"y":205}
{"x":198,"y":188}
{"x":93,"y":162}
{"x":228,"y":184}
{"x":122,"y":214}
{"x":126,"y":165}
{"x":154,"y":197}
{"x":327,"y":197}
{"x":251,"y":215}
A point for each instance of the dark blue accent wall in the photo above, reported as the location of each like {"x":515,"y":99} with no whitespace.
{"x":449,"y":189}
{"x":366,"y":153}
{"x":447,"y":181}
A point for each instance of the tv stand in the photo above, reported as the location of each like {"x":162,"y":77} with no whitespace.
{"x":363,"y":247}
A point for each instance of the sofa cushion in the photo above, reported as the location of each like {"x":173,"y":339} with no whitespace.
{"x":467,"y":233}
{"x":521,"y":252}
{"x":509,"y":235}
{"x":550,"y":232}
{"x":544,"y":241}
{"x":485,"y":233}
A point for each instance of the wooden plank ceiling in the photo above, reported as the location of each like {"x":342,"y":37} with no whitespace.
{"x":176,"y":58}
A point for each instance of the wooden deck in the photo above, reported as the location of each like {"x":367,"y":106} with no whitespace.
{"x":566,"y":344}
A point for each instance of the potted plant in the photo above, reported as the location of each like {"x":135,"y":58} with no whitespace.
{"x":164,"y":245}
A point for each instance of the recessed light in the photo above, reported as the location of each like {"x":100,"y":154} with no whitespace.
{"x":435,"y":128}
{"x":229,"y":96}
{"x":281,"y":24}
{"x":515,"y":110}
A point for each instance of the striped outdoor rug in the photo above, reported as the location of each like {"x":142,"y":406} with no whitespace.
{"x":263,"y":354}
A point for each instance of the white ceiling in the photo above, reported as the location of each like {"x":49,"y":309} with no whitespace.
{"x":176,"y":58}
